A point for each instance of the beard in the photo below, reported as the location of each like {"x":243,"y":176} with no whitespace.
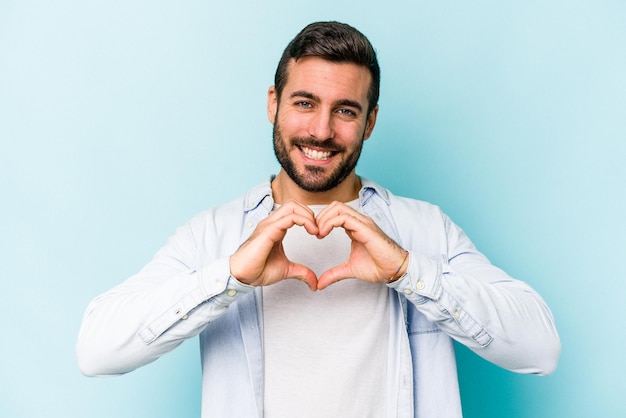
{"x":314,"y":178}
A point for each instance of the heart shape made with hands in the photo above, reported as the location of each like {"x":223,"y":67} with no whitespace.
{"x":261,"y":259}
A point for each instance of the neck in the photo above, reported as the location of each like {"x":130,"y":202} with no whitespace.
{"x":284,"y":190}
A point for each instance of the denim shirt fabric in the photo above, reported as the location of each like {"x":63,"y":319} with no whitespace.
{"x":450,"y":291}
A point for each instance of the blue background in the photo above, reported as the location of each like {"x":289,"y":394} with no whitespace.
{"x":121,"y":120}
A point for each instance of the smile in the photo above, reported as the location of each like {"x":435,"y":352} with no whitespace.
{"x":316,"y":155}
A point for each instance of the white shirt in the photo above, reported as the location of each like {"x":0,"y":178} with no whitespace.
{"x":324,"y":350}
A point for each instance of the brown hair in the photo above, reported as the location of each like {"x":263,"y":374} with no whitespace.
{"x":336,"y":42}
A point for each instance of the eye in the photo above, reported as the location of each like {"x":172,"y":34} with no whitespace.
{"x":347,"y":112}
{"x":304,"y":104}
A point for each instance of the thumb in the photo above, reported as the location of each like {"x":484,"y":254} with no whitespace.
{"x":334,"y":275}
{"x":304,"y":274}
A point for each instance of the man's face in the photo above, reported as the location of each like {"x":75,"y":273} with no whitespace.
{"x":321,"y":122}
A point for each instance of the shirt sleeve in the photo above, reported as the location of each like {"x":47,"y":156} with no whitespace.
{"x":500,"y":318}
{"x":172,"y":299}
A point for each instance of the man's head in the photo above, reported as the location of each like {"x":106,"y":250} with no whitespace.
{"x":323,"y":106}
{"x":335,"y":42}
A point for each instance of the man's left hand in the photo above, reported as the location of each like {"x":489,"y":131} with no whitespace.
{"x":374,"y":257}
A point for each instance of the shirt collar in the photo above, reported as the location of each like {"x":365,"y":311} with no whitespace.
{"x":369,"y":189}
{"x":261,"y":194}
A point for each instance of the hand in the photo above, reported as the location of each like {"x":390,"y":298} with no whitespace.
{"x":374,"y":257}
{"x":261,"y":260}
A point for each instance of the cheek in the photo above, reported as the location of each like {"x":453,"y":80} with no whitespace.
{"x":292,"y":126}
{"x":351,"y":135}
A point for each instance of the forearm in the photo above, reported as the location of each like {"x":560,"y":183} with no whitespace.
{"x":150,"y":314}
{"x":501,"y":319}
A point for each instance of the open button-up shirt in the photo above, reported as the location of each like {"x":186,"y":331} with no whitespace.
{"x":450,"y":292}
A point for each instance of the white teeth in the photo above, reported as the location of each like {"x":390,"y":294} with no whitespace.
{"x":316,"y":155}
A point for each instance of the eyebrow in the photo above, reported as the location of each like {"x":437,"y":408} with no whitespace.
{"x":311,"y":96}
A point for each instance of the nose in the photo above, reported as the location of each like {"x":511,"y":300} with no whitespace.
{"x":321,"y":126}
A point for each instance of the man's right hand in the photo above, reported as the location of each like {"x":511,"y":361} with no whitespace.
{"x":261,"y":260}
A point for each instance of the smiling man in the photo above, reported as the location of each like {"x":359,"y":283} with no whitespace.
{"x":384,"y":284}
{"x":320,"y":126}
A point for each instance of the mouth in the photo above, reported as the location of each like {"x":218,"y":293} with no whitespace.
{"x":316,"y":154}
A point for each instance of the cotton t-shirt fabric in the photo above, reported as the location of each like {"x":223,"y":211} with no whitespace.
{"x":326,"y":351}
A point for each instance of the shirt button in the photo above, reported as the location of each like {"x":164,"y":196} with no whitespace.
{"x":185,"y":316}
{"x":407,"y":291}
{"x":457,"y":314}
{"x":250,"y":224}
{"x":232,"y":292}
{"x":420,"y":285}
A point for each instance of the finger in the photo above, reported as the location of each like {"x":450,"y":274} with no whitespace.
{"x":304,"y":274}
{"x":251,"y":257}
{"x":294,"y":213}
{"x":334,"y":209}
{"x":334,"y":275}
{"x":293,"y":206}
{"x":353,"y":223}
{"x":291,"y":219}
{"x":334,"y":216}
{"x":274,"y":229}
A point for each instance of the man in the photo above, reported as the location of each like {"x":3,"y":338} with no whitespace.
{"x":384,"y":283}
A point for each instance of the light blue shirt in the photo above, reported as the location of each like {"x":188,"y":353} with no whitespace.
{"x":450,"y":291}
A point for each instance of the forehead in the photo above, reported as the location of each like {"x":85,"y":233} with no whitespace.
{"x":328,"y":80}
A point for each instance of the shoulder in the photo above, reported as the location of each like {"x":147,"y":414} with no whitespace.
{"x":219,"y":213}
{"x":402,"y":206}
{"x":235,"y":209}
{"x":420,"y":208}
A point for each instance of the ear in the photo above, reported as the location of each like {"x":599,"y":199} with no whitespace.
{"x":272,"y":104}
{"x":370,"y":123}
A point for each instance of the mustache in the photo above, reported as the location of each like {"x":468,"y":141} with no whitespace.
{"x":310,"y":142}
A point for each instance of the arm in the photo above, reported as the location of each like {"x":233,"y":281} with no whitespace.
{"x":502,"y":319}
{"x":187,"y":285}
{"x":499,"y":318}
{"x":173,"y":298}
